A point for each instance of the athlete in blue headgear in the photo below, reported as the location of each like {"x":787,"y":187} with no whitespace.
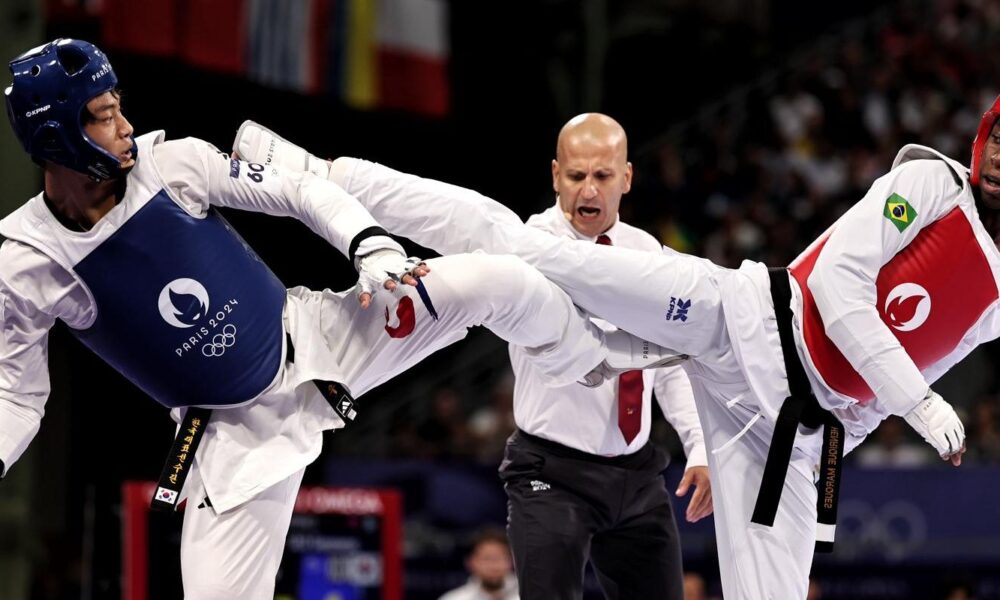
{"x":48,"y":105}
{"x":125,"y":247}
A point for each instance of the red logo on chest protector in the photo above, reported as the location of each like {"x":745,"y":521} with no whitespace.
{"x":907,"y":306}
{"x":902,"y":311}
{"x":407,"y":319}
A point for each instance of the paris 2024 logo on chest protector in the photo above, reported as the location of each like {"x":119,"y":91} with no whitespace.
{"x":907,"y":306}
{"x":184,"y":303}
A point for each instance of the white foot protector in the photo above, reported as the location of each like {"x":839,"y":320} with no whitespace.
{"x":256,"y":143}
{"x":629,"y":353}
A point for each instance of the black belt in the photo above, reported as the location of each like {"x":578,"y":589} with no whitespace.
{"x":802,"y":408}
{"x":175,"y":471}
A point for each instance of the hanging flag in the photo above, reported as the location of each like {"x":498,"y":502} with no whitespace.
{"x":278,"y":46}
{"x":371,"y":54}
{"x":412,"y":40}
{"x":390,"y":54}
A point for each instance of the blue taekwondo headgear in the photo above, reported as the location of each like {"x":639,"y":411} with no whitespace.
{"x":45,"y":103}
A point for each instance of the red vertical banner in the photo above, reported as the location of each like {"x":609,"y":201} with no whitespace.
{"x":213,"y":35}
{"x":319,"y":42}
{"x":392,"y":544}
{"x":136,"y":496}
{"x":148,"y":27}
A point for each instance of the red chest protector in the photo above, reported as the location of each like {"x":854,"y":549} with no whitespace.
{"x":929,"y":295}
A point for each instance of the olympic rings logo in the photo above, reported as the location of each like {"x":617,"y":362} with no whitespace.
{"x":895,"y":530}
{"x":219,"y":342}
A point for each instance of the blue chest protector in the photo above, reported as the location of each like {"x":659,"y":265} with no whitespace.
{"x":185,"y":309}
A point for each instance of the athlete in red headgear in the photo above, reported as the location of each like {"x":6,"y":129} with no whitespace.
{"x":901,"y":288}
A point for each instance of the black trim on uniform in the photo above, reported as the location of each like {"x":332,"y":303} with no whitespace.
{"x":289,"y":348}
{"x":362,"y":236}
{"x":339,"y":398}
{"x":802,"y":408}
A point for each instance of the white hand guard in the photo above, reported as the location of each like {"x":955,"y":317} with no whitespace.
{"x":936,"y":421}
{"x":381,"y":266}
{"x":256,"y":143}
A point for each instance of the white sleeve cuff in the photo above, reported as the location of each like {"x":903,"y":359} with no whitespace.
{"x":696,"y":456}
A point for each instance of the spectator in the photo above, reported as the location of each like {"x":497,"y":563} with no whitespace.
{"x":491,"y":570}
{"x":695,"y":587}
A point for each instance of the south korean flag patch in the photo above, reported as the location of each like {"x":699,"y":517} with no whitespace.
{"x":165,"y":495}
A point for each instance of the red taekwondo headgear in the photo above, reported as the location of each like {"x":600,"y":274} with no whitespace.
{"x":985,"y":127}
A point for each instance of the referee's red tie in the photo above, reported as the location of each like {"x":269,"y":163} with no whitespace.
{"x":629,"y":391}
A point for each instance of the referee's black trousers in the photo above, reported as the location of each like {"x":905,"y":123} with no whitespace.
{"x":565,"y":506}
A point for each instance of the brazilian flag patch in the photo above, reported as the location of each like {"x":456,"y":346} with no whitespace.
{"x":899,"y":212}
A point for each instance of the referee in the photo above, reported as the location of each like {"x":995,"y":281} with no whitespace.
{"x":582,"y":480}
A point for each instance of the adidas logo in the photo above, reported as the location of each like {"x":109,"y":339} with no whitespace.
{"x":346,"y":409}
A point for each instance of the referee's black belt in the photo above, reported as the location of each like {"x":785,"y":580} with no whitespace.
{"x":800,"y":408}
{"x":636,"y":460}
{"x":178,"y":464}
